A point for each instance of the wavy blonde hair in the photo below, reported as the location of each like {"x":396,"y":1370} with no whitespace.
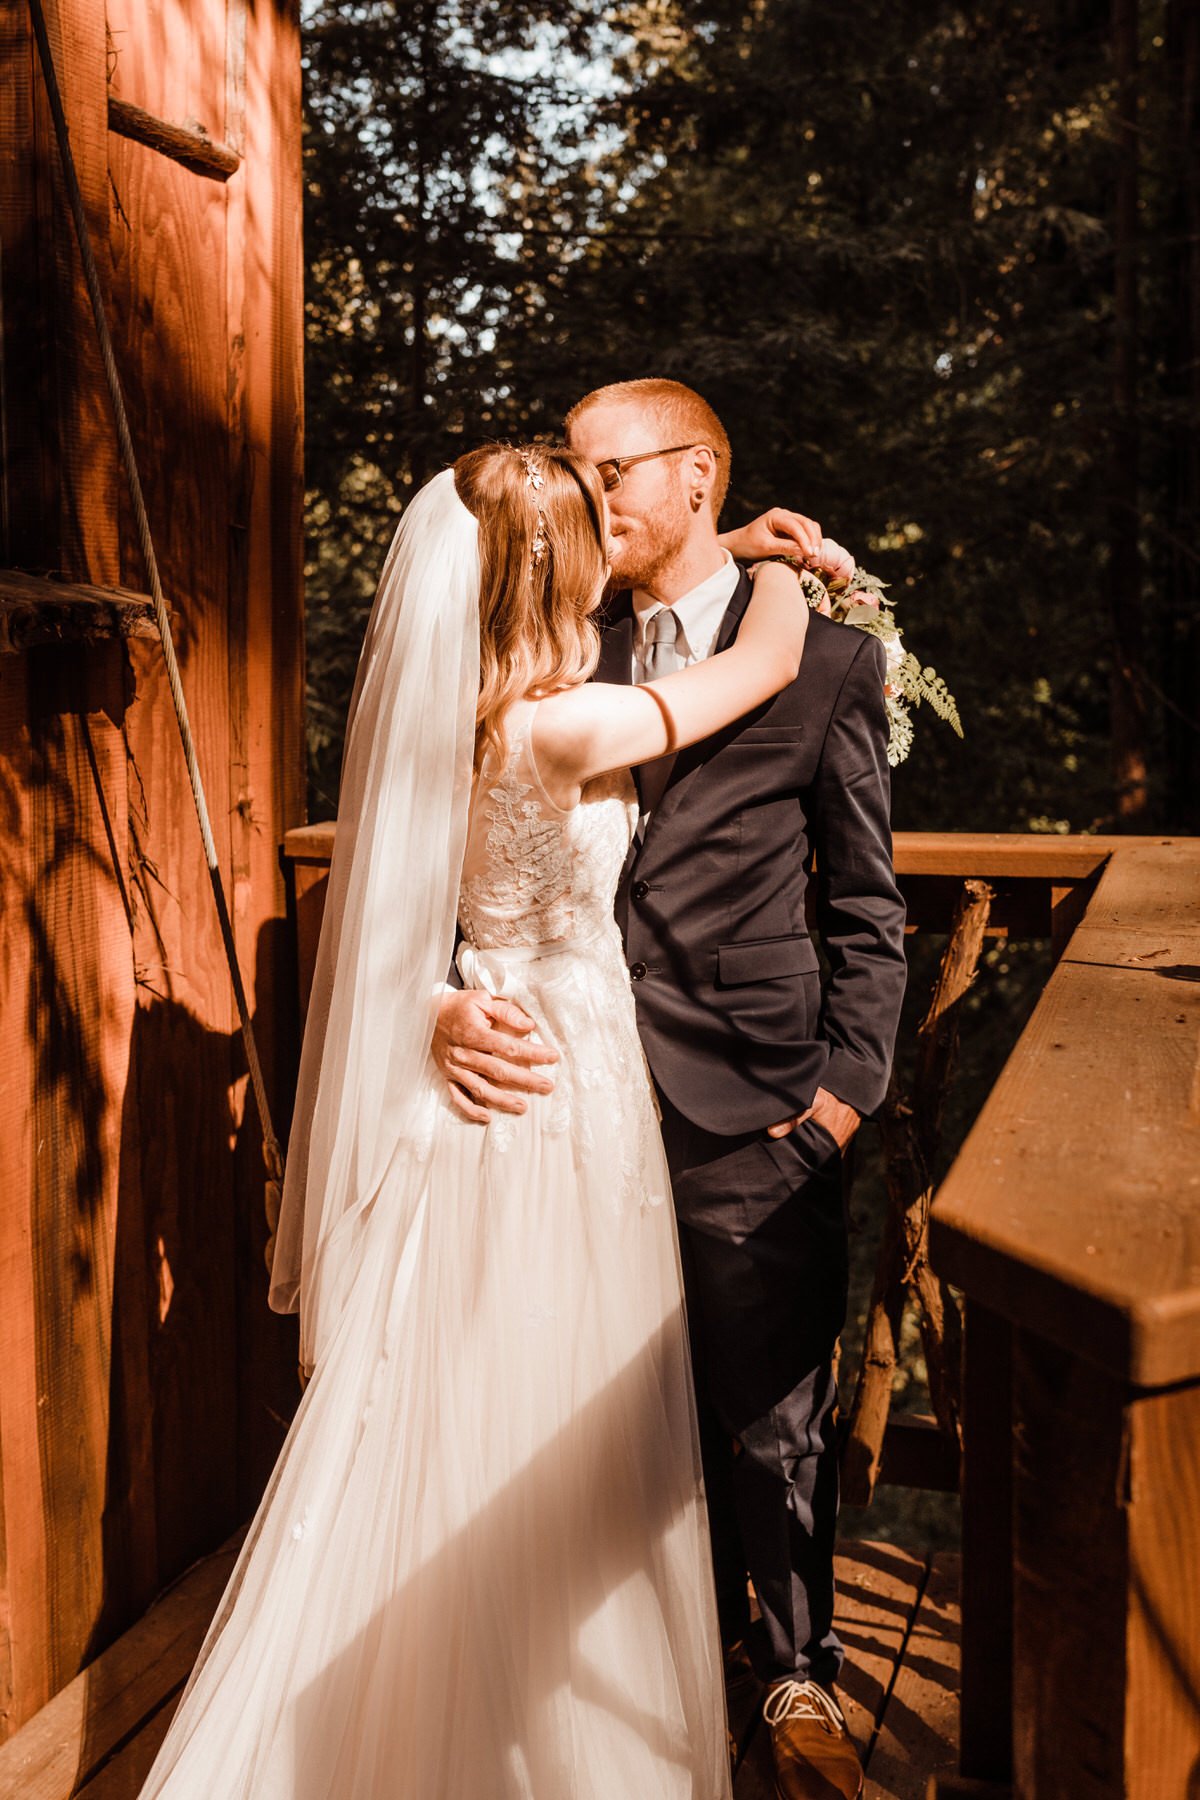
{"x":536,"y":632}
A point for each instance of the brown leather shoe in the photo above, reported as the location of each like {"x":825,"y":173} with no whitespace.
{"x":814,"y":1757}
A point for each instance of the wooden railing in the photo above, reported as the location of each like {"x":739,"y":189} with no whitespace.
{"x":1069,"y":1220}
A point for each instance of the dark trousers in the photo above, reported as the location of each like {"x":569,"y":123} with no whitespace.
{"x":762,"y":1231}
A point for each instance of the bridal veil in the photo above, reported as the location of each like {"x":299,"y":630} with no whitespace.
{"x":390,"y":912}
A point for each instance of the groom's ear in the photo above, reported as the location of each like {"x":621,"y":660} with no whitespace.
{"x":703,"y":473}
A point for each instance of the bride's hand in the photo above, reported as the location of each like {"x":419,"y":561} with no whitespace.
{"x":776,"y":532}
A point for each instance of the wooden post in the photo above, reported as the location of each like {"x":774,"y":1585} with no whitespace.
{"x":1107,"y":1591}
{"x":987,"y":1643}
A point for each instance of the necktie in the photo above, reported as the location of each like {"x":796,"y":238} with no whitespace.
{"x":661,"y":645}
{"x":660,"y":657}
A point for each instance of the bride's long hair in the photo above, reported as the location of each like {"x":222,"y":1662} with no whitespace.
{"x":543,"y":565}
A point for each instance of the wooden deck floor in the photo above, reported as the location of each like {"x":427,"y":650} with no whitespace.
{"x":897,"y":1616}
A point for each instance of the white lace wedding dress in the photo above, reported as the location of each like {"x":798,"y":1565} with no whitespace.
{"x":481,"y":1568}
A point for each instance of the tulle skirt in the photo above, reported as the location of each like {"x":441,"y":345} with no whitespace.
{"x":481,"y":1567}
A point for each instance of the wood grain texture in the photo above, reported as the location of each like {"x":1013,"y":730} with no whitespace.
{"x":1072,"y":1207}
{"x":1069,"y":1574}
{"x":265,"y":419}
{"x":1162,"y":1728}
{"x":1107,"y":1582}
{"x":917,"y":1736}
{"x":24,"y":1667}
{"x":69,"y":1007}
{"x":166,"y":243}
{"x":27,"y":507}
{"x":119,"y":1694}
{"x":86,"y":461}
{"x":143,"y":1386}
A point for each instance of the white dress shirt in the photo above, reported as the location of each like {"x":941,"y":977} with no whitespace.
{"x":699,"y":613}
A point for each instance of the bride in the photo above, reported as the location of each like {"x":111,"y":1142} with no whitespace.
{"x":481,"y":1565}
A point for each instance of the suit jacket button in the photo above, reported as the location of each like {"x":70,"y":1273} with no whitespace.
{"x":640,"y":889}
{"x":636,"y":971}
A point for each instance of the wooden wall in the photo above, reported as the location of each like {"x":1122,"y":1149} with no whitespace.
{"x":144,"y":1387}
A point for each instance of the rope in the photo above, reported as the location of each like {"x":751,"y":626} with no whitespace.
{"x":272,"y":1151}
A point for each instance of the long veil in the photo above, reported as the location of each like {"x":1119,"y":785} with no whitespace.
{"x":389,"y":924}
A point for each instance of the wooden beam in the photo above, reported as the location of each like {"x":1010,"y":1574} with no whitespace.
{"x":950,"y":857}
{"x":917,"y":1453}
{"x":992,"y":855}
{"x":36,"y":611}
{"x":189,"y":145}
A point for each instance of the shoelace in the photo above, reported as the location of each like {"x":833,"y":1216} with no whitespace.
{"x":803,"y":1700}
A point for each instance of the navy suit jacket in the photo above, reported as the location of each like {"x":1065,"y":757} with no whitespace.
{"x":737,"y":1028}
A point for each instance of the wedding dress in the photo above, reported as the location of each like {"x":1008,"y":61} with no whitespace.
{"x":481,"y":1567}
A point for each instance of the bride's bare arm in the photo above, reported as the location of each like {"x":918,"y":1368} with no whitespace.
{"x":602,"y":726}
{"x":777,"y":532}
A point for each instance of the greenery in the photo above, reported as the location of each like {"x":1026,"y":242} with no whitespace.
{"x":936,"y":267}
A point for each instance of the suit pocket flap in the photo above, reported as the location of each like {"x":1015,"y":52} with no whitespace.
{"x":754,"y":737}
{"x":766,"y":959}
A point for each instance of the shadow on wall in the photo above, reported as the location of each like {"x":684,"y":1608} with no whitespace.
{"x":164,"y":1385}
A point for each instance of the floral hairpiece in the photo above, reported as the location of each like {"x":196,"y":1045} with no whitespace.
{"x":536,"y":481}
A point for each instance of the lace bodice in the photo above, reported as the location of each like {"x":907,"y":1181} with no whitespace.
{"x":535,"y":875}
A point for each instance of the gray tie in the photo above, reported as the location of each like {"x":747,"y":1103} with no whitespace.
{"x":660,"y":657}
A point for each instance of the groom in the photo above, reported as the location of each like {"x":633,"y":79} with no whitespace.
{"x":763,"y":1075}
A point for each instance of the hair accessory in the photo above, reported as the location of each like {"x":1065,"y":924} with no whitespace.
{"x":536,"y":481}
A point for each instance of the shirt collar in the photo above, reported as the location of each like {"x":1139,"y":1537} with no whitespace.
{"x":699,"y":611}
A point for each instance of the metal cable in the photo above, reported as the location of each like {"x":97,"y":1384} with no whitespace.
{"x":272,"y":1151}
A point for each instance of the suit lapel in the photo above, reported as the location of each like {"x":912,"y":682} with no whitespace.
{"x":697,"y":754}
{"x":734,"y":612}
{"x":616,"y":664}
{"x":616,"y":641}
{"x":616,"y":655}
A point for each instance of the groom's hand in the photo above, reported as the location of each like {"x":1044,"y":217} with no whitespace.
{"x":838,"y":1119}
{"x":481,"y":1045}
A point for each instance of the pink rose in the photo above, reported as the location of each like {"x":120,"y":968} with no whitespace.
{"x":860,"y":597}
{"x":835,"y":564}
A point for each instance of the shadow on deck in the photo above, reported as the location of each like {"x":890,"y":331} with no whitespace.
{"x":897,"y":1616}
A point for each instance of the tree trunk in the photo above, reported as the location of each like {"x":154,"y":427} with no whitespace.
{"x":1127,"y":698}
{"x":1181,"y":157}
{"x":911,"y":1135}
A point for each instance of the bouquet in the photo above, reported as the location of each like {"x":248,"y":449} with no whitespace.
{"x":852,"y":596}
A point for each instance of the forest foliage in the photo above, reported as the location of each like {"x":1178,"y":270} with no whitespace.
{"x":936,"y":266}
